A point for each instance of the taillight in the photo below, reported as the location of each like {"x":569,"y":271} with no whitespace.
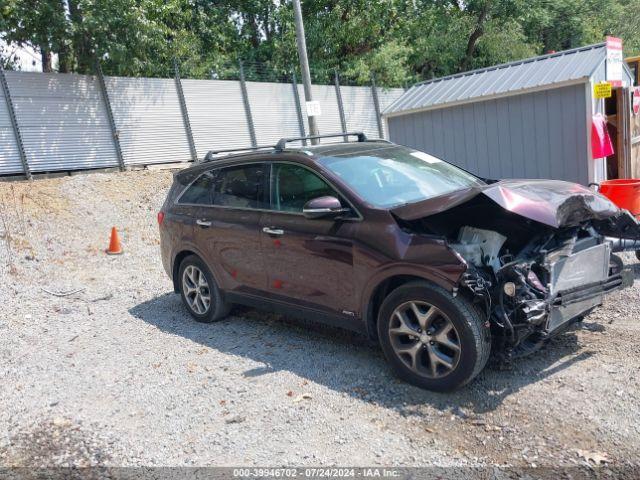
{"x":160,"y":217}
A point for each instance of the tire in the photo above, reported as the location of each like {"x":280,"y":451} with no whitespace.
{"x":638,"y":254}
{"x":217,"y":308}
{"x":616,"y":265}
{"x":470,"y":335}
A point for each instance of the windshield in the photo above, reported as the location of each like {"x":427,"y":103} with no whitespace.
{"x":395,"y":175}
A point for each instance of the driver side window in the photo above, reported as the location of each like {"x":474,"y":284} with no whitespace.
{"x":293,"y":186}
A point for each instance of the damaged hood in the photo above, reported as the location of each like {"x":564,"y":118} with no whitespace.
{"x":551,"y":202}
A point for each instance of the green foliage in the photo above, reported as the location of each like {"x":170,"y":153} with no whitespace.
{"x":36,"y":22}
{"x":402,"y":41}
{"x":624,"y":21}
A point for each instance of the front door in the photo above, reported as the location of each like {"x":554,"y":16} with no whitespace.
{"x":308,"y":262}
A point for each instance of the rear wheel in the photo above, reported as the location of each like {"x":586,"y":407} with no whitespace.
{"x":199,"y":291}
{"x":430,"y":338}
{"x":638,"y":254}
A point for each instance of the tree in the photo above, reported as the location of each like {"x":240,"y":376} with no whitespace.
{"x":403,"y":41}
{"x":624,"y":21}
{"x":37,"y":23}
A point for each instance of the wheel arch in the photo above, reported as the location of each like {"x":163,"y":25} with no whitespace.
{"x":175,"y":268}
{"x":380,"y":287}
{"x":179,"y":256}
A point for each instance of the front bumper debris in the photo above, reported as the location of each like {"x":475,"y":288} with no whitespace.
{"x":571,"y":303}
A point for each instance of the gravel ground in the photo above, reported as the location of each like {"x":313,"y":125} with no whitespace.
{"x":117,"y":374}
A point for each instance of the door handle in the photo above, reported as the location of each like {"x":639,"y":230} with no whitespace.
{"x":273,"y":231}
{"x":203,"y":223}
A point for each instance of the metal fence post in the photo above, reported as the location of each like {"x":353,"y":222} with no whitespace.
{"x":296,"y":98}
{"x":184,"y":111}
{"x":247,"y":106}
{"x":376,"y":104}
{"x":343,"y":120}
{"x":14,"y":124}
{"x":112,"y":123}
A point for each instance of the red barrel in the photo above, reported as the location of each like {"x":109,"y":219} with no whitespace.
{"x":625,"y":193}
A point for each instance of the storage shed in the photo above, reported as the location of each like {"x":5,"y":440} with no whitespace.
{"x":525,"y":119}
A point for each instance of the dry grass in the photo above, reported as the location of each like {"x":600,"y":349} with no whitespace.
{"x":36,"y":198}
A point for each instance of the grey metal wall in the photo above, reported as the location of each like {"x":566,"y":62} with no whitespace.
{"x":358,"y":110}
{"x":148,"y":119}
{"x":217,"y":114}
{"x":274,"y":111}
{"x":386,"y":97}
{"x":535,"y":135}
{"x":62,"y":120}
{"x":329,"y":121}
{"x":9,"y":154}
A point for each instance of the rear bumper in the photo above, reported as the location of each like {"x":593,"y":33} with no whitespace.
{"x":573,"y":302}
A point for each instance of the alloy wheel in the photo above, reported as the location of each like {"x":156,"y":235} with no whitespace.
{"x":424,"y":339}
{"x":196,"y":289}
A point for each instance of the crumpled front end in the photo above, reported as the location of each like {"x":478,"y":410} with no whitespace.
{"x":537,"y":295}
{"x":536,"y":262}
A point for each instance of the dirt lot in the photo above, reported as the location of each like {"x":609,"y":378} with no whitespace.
{"x":118,"y":374}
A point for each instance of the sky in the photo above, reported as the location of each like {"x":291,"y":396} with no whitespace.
{"x":28,"y":58}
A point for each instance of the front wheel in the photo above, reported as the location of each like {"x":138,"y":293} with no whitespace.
{"x":432,"y":339}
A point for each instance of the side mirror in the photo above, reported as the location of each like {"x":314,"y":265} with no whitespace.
{"x":323,"y":207}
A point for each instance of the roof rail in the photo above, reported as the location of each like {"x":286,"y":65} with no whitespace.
{"x":282,"y":143}
{"x":209,"y":156}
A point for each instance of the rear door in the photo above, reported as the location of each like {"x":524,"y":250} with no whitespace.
{"x":228,"y":204}
{"x":308,"y":262}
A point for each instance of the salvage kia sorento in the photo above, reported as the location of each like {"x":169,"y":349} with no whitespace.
{"x":437,"y":265}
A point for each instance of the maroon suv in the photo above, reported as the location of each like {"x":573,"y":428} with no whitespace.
{"x":436,"y":264}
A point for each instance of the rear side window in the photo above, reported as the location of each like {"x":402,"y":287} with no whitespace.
{"x":243,"y":186}
{"x":200,"y":191}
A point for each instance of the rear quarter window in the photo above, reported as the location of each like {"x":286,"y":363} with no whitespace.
{"x":200,"y":191}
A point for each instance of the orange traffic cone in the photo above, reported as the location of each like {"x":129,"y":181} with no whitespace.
{"x":114,"y":244}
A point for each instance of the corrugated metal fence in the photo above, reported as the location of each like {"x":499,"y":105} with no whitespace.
{"x":10,"y":161}
{"x":74,"y":122}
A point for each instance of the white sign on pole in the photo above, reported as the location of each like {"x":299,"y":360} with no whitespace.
{"x":614,"y":61}
{"x":313,"y":109}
